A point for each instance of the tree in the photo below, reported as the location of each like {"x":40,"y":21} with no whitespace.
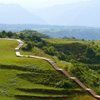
{"x":29,"y":46}
{"x":50,"y":50}
{"x":90,"y":53}
{"x":21,"y":36}
{"x":61,"y":55}
{"x":3,"y":34}
{"x":9,"y":34}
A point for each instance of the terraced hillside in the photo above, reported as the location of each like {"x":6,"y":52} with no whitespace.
{"x":33,"y":79}
{"x":85,"y":57}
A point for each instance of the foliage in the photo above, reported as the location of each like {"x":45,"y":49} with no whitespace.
{"x":9,"y":34}
{"x":28,"y":47}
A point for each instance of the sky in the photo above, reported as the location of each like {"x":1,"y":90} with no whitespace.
{"x":36,"y":4}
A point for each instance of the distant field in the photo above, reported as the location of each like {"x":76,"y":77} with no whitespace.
{"x":20,"y":78}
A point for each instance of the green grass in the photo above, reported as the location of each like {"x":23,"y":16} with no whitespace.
{"x":7,"y":56}
{"x":38,"y":52}
{"x":64,"y":41}
{"x":7,"y":98}
{"x":82,"y":97}
{"x":12,"y":66}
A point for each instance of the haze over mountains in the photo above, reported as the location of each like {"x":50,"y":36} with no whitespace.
{"x":15,"y":14}
{"x":89,"y":33}
{"x":85,"y":13}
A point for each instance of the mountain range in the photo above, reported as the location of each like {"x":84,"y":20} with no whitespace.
{"x":69,"y":19}
{"x":81,"y":32}
{"x":15,"y":14}
{"x":84,"y":13}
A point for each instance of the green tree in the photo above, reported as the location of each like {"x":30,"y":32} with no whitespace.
{"x":21,"y":36}
{"x":3,"y":34}
{"x":50,"y":50}
{"x":9,"y":34}
{"x":29,"y":46}
{"x":90,"y":53}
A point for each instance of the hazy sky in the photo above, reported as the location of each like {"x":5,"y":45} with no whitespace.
{"x":38,"y":3}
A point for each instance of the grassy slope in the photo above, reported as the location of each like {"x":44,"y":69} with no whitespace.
{"x":7,"y":56}
{"x":59,"y":41}
{"x":38,"y":52}
{"x":9,"y":80}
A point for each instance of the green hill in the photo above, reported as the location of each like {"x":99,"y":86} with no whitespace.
{"x":25,"y":79}
{"x":35,"y":79}
{"x":85,"y":57}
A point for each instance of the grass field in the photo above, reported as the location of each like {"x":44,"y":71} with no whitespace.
{"x":7,"y":56}
{"x":17,"y":80}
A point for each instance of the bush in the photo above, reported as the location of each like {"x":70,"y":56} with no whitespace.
{"x":28,"y":47}
{"x":50,"y":50}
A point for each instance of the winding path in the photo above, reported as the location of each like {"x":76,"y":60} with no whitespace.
{"x":65,"y":73}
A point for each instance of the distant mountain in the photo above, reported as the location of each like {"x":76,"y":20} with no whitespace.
{"x":84,"y":13}
{"x":15,"y":14}
{"x":81,"y":32}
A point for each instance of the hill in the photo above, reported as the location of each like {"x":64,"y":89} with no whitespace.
{"x":26,"y":78}
{"x":17,"y":75}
